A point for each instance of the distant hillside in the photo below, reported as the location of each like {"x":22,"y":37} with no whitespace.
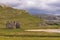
{"x":23,"y":17}
{"x":49,"y":19}
{"x":47,"y":16}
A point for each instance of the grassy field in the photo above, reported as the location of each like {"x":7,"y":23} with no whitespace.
{"x":19,"y":34}
{"x":29,"y":38}
{"x":22,"y":33}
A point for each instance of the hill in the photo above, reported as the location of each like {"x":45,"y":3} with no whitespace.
{"x":23,"y":17}
{"x":26,"y":20}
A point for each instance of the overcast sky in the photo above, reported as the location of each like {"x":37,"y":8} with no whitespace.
{"x":36,"y":6}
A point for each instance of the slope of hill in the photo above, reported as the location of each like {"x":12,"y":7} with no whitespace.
{"x":23,"y":17}
{"x":26,"y":20}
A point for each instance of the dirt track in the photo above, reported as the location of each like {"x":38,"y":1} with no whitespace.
{"x":46,"y":30}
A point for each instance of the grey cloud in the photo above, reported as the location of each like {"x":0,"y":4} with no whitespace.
{"x":37,"y":6}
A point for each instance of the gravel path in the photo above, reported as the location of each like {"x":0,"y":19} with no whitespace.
{"x":46,"y":30}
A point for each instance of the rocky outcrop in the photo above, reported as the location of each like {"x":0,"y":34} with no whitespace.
{"x":4,"y":5}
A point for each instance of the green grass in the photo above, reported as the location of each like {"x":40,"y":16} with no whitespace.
{"x":29,"y":38}
{"x":21,"y":32}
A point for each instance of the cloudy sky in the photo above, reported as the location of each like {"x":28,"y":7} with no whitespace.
{"x":36,"y":6}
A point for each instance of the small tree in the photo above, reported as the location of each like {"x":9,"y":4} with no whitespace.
{"x":17,"y":25}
